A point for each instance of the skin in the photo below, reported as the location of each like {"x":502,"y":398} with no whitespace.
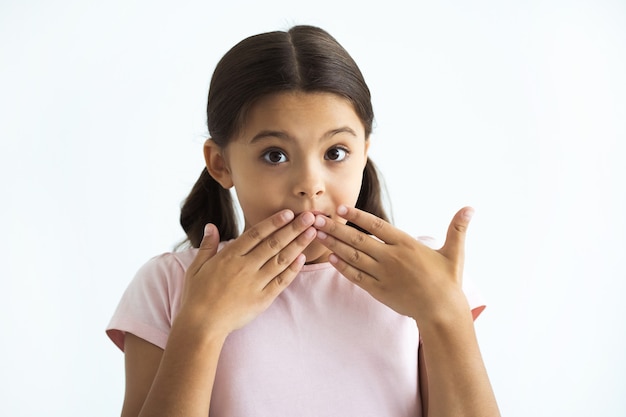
{"x":297,"y":165}
{"x":319,"y":147}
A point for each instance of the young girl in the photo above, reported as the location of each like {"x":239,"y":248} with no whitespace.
{"x":320,"y":307}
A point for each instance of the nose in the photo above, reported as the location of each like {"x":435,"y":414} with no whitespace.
{"x":308,"y":181}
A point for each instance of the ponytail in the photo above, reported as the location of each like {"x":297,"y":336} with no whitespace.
{"x":208,"y":202}
{"x":370,"y":196}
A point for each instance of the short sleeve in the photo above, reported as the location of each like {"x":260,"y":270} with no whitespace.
{"x":149,"y":303}
{"x":474,"y":298}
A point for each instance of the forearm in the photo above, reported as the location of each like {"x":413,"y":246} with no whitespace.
{"x":184,"y":380}
{"x":458,"y":384}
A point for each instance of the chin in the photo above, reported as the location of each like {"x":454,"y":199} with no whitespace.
{"x":316,"y":253}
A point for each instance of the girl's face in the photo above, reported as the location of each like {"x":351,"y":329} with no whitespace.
{"x":297,"y":151}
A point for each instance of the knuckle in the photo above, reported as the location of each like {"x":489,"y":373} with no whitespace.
{"x":357,"y":239}
{"x":377,"y":224}
{"x":254,"y":234}
{"x":272,"y":242}
{"x":354,"y":257}
{"x":227,"y":258}
{"x":358,"y":276}
{"x":459,"y":227}
{"x":281,"y":259}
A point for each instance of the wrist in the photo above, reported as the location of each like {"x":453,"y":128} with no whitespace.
{"x":198,"y":329}
{"x":446,"y":317}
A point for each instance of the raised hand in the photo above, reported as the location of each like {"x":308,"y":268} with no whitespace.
{"x":226,"y":290}
{"x":397,"y":269}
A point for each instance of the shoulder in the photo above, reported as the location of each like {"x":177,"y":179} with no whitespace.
{"x":151,"y":299}
{"x":168,"y":264}
{"x":173,"y":260}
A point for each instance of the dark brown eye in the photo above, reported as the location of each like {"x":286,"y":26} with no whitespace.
{"x":336,"y":154}
{"x":274,"y":157}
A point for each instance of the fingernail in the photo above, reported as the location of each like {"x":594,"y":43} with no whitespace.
{"x":309,"y":233}
{"x":287,"y":215}
{"x":319,"y":221}
{"x":208,"y":230}
{"x":321,"y":235}
{"x":341,"y":210}
{"x":468,"y":214}
{"x":307,"y":218}
{"x":332,"y":258}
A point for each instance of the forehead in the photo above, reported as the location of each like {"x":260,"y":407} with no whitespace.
{"x":299,"y":111}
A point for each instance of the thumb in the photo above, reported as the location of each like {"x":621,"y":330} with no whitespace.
{"x":454,"y":248}
{"x":208,"y":246}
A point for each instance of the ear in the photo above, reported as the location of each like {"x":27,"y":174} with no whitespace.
{"x":216,"y":164}
{"x":367,"y":147}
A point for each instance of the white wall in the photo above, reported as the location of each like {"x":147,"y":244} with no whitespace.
{"x":517,"y":108}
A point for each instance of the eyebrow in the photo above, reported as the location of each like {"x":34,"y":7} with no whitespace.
{"x":266,"y":134}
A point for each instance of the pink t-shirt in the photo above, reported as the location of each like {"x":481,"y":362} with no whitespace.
{"x":325,"y":347}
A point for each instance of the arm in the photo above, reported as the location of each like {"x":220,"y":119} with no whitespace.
{"x":426,"y":285}
{"x":453,"y":379}
{"x":174,"y":382}
{"x":222,"y":292}
{"x":141,"y":360}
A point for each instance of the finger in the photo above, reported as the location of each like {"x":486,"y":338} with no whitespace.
{"x":357,"y":276}
{"x":277,"y":263}
{"x":355,"y":253}
{"x":372,"y":224}
{"x":282,"y":280}
{"x":280,"y":239}
{"x":259,"y":232}
{"x":208,"y":247}
{"x":454,"y":247}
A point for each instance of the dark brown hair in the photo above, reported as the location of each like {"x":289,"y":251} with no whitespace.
{"x":305,"y":58}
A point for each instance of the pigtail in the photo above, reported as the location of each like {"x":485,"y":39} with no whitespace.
{"x":370,"y":197}
{"x":208,"y":202}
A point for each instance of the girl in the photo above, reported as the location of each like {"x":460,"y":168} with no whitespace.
{"x":320,"y":307}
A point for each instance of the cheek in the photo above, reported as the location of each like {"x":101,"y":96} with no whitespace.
{"x":350,"y":187}
{"x":259,"y":201}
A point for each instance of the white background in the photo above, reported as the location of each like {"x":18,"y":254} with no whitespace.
{"x":517,"y":108}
